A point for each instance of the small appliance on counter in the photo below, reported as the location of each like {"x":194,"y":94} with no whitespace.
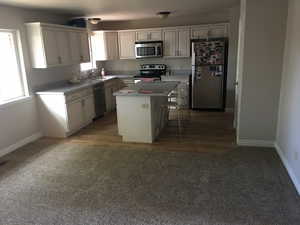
{"x":152,"y":71}
{"x":148,"y":49}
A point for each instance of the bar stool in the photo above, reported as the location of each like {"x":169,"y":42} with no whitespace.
{"x":172,"y":104}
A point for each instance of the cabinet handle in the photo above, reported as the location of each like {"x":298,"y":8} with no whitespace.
{"x":59,"y":60}
{"x":81,"y":58}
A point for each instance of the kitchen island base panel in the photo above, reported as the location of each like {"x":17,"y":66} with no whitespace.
{"x":139,"y":117}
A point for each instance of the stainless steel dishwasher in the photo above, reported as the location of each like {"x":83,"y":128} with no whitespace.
{"x":99,"y":98}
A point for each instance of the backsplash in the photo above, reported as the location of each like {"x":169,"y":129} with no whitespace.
{"x":132,"y":66}
{"x":41,"y":78}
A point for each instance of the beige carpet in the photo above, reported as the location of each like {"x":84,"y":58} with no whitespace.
{"x":50,"y":183}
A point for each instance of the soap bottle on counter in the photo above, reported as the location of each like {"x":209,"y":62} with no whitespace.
{"x":103,"y":72}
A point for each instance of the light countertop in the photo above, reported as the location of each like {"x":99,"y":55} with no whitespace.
{"x":68,"y":88}
{"x":161,"y":88}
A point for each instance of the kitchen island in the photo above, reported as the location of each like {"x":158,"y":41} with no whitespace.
{"x":141,"y":110}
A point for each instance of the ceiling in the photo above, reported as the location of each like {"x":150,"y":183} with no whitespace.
{"x":124,"y":9}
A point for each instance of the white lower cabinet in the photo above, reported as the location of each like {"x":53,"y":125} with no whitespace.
{"x":62,"y":115}
{"x":88,"y":106}
{"x":75,"y":112}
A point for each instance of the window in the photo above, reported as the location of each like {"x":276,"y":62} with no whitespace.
{"x":11,"y":70}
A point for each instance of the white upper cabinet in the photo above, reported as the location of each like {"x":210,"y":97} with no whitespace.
{"x":104,"y":45}
{"x":74,"y":45}
{"x":142,"y":36}
{"x":183,"y":42}
{"x":80,"y":51}
{"x":199,"y":32}
{"x":209,"y":31}
{"x":55,"y":45}
{"x":149,"y":35}
{"x":84,"y":47}
{"x":111,"y":43}
{"x":218,"y":30}
{"x":126,"y":44}
{"x":177,"y":42}
{"x":51,"y":47}
{"x":63,"y":45}
{"x":170,"y":42}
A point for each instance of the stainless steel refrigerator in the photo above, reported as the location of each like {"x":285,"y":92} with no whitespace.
{"x":209,"y":66}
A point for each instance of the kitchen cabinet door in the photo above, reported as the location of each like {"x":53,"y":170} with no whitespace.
{"x":75,"y":115}
{"x":126,"y":41}
{"x":170,"y":43}
{"x":98,"y":46}
{"x":218,"y":30}
{"x":104,"y":45}
{"x":51,"y":46}
{"x":84,"y":47}
{"x":111,"y":44}
{"x":142,"y":35}
{"x":88,"y":108}
{"x":199,"y":32}
{"x":155,"y":35}
{"x":75,"y":46}
{"x":149,"y":35}
{"x":63,"y":47}
{"x":183,"y":49}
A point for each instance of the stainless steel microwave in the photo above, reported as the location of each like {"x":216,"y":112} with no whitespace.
{"x":149,"y":49}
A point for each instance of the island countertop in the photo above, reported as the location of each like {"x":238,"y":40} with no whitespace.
{"x":162,"y":88}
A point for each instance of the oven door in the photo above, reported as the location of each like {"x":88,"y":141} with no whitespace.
{"x":148,"y":49}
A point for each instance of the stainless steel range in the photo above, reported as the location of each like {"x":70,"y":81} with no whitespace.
{"x":152,"y":71}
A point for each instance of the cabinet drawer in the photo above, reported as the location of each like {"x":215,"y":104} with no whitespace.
{"x":86,"y":92}
{"x":79,"y":94}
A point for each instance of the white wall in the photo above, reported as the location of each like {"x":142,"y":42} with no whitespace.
{"x":19,"y":121}
{"x":288,"y":133}
{"x":229,"y":15}
{"x":264,"y":35}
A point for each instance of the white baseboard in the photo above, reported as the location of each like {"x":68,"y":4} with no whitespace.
{"x":20,"y":143}
{"x":288,"y":168}
{"x":230,"y":110}
{"x":255,"y":143}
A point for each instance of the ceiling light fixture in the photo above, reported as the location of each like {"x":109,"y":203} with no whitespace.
{"x":94,"y":21}
{"x":164,"y":14}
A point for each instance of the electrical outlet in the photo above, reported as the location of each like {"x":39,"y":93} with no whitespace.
{"x":296,"y":156}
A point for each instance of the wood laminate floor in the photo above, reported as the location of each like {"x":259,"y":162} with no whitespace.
{"x":201,"y":132}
